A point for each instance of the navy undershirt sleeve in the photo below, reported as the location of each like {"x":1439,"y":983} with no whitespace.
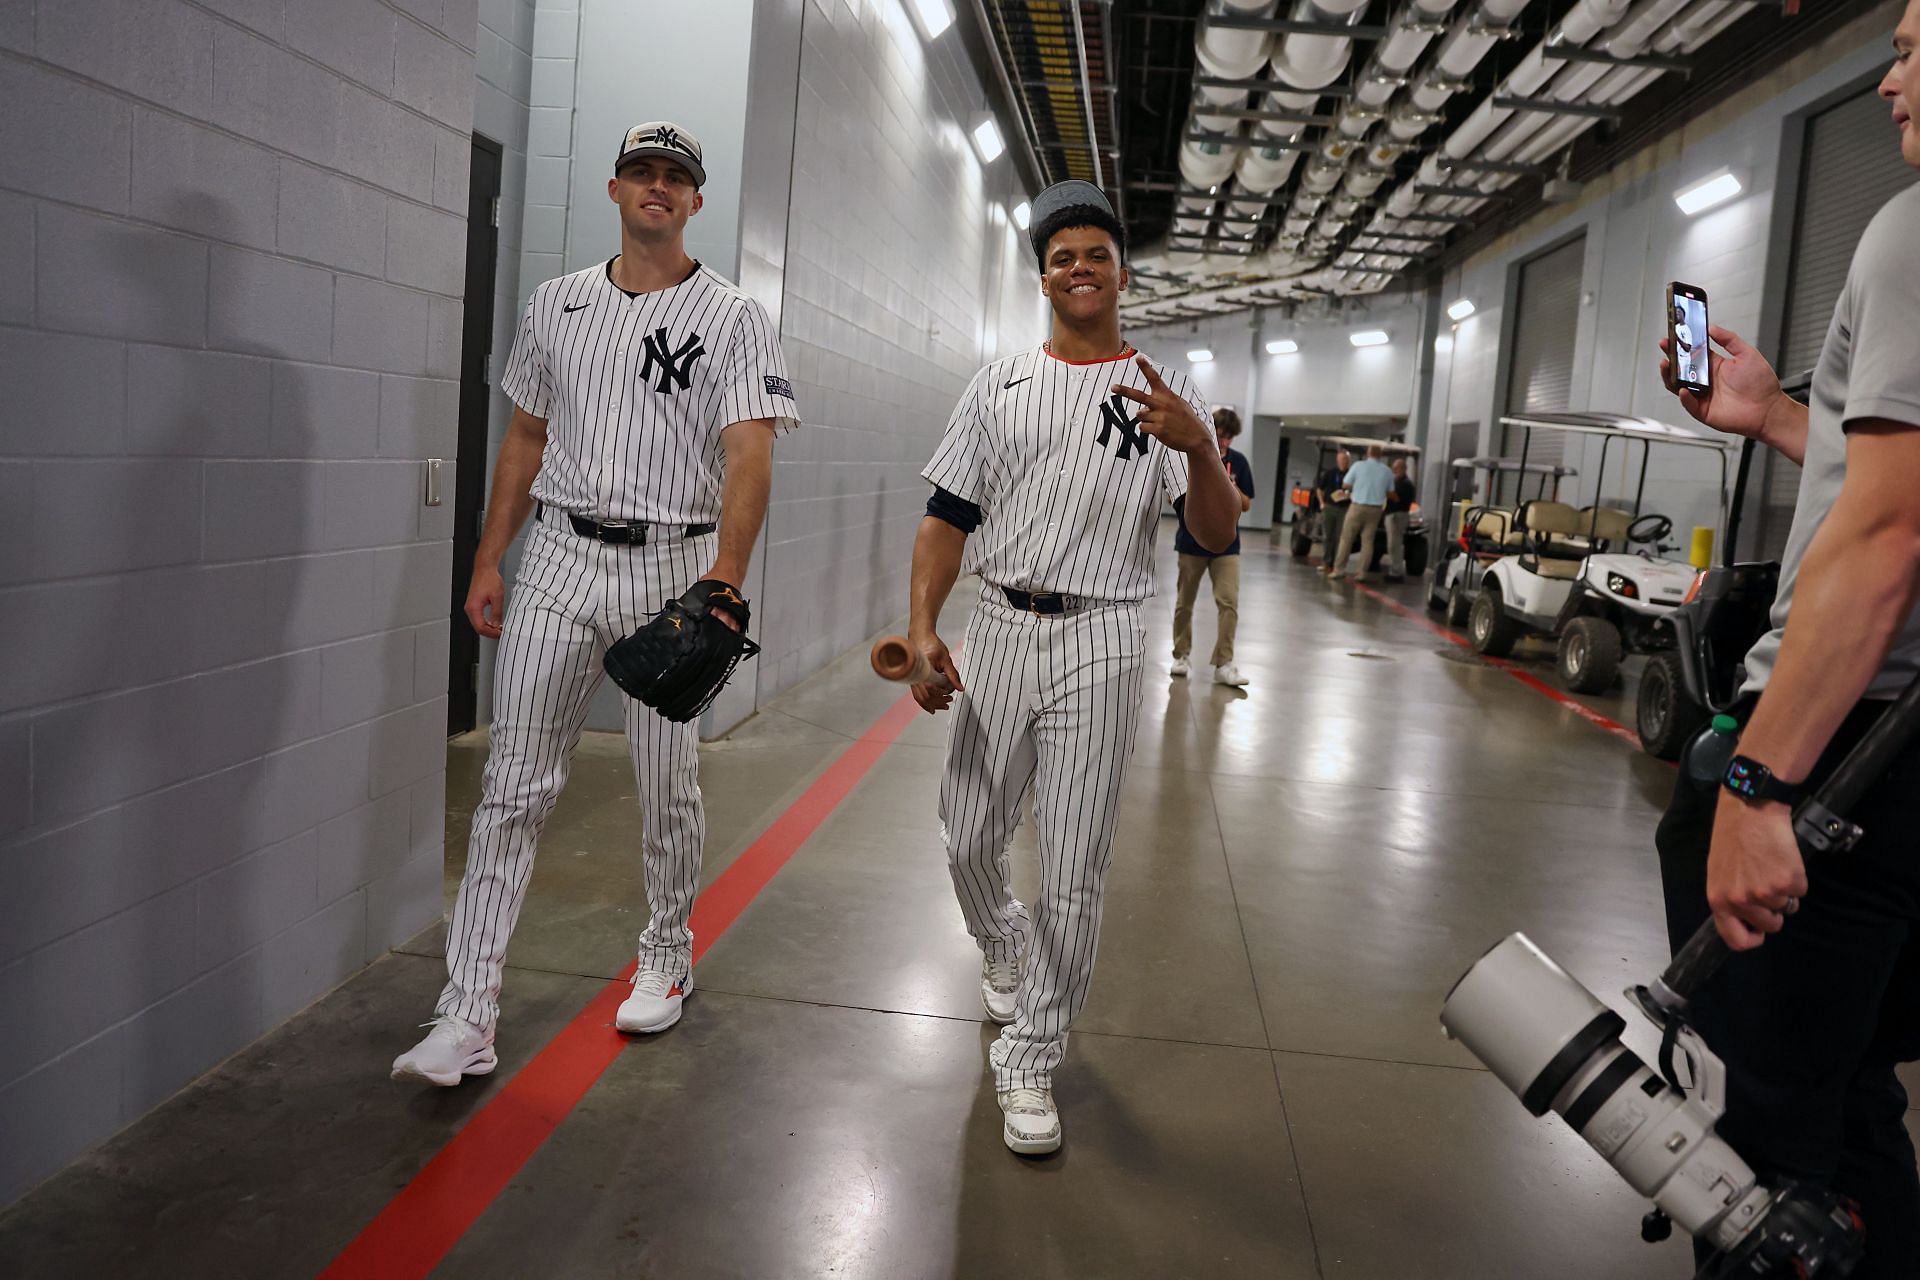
{"x":955,"y":510}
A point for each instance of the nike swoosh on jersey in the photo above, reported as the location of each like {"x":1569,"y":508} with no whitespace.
{"x":579,"y":307}
{"x":1016,"y":382}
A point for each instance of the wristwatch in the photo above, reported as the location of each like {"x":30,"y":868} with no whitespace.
{"x":1754,"y":782}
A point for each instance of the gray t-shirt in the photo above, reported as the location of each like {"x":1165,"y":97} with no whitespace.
{"x":1868,"y":369}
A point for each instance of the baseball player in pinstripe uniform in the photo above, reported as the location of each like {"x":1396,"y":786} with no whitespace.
{"x":647,"y":395}
{"x":1048,"y":484}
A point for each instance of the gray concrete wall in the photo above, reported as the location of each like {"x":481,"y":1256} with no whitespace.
{"x":234,"y":236}
{"x":903,"y":276}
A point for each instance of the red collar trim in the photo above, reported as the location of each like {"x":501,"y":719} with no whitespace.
{"x":1128,"y":354}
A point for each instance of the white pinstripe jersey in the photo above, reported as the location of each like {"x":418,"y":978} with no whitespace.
{"x":1068,"y":488}
{"x":636,"y":391}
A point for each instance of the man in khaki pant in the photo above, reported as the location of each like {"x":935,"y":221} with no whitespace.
{"x":1368,"y":482}
{"x":1222,"y":568}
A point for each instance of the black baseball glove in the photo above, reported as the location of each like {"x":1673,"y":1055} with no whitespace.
{"x":680,"y":660}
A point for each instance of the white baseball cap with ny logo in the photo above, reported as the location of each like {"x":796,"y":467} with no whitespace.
{"x":665,"y":139}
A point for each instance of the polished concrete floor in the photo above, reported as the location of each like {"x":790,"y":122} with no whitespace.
{"x":1259,"y":1086}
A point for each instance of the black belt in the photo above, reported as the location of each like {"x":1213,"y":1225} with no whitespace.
{"x":1048,"y":602}
{"x":627,"y":533}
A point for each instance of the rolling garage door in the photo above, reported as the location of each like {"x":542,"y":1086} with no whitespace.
{"x":1850,"y":166}
{"x":1540,"y":375}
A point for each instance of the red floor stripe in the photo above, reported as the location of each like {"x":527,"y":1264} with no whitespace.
{"x":1526,"y":678}
{"x":430,"y":1214}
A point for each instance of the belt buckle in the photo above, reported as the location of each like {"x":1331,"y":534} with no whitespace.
{"x":628,"y":529}
{"x":1034,"y":599}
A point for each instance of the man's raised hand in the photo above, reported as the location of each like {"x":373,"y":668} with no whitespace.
{"x":1165,"y":416}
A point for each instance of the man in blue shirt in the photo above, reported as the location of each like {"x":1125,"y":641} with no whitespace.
{"x":1222,"y":568}
{"x":1369,"y":483}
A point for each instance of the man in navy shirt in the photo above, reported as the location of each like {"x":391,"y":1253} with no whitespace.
{"x":1223,"y":568}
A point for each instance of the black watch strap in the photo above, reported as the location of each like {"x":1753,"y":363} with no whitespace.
{"x":1753,"y":781}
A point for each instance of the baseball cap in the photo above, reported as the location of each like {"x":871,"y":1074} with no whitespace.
{"x":663,"y":138}
{"x":1059,"y":196}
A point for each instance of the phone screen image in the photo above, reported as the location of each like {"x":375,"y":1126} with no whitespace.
{"x":1691,"y":364}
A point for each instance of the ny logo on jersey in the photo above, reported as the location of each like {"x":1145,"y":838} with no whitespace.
{"x":1113,"y":414}
{"x":675,"y":368}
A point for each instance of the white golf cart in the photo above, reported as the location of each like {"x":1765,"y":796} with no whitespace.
{"x":1480,"y":529}
{"x":1598,"y":579}
{"x":1309,"y":526}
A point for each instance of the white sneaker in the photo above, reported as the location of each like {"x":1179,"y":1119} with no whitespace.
{"x":655,"y":1002}
{"x":1032,"y":1122}
{"x":1229,"y":674}
{"x":1000,"y":988}
{"x":454,"y":1049}
{"x":1179,"y":668}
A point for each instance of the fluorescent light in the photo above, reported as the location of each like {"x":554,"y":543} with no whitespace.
{"x":1022,"y":214}
{"x":1199,"y":355}
{"x":1706,"y":193}
{"x":1282,"y":347}
{"x":1461,"y":309}
{"x":931,"y":16}
{"x":1369,"y":338}
{"x":1443,"y":343}
{"x":986,"y":140}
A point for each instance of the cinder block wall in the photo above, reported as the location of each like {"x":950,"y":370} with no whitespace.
{"x":898,"y":257}
{"x":232,"y":237}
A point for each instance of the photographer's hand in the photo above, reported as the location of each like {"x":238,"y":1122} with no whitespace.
{"x":1755,"y":875}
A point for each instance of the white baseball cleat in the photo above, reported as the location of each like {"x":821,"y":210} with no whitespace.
{"x":1032,"y":1122}
{"x":453,"y":1050}
{"x":1180,"y":667}
{"x":1228,"y":674}
{"x":655,"y":1002}
{"x":1000,"y":988}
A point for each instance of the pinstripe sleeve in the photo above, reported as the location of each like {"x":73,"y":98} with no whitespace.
{"x":756,"y":383}
{"x":959,"y":465}
{"x":527,"y":381}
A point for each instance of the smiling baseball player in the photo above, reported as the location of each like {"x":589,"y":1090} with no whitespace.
{"x":1049,"y":482}
{"x":647,"y":395}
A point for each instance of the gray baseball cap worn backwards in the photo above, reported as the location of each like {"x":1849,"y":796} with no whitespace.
{"x":665,"y":139}
{"x":1059,"y":196}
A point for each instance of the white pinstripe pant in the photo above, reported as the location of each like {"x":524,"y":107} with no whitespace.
{"x":1053,"y":701}
{"x":572,"y":597}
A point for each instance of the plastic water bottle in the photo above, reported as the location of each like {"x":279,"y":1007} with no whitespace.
{"x":1707,"y":755}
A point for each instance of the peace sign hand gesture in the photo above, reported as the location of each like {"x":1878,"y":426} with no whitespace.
{"x":1166,"y":416}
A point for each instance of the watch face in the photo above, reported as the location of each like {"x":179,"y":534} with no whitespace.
{"x":1747,"y":778}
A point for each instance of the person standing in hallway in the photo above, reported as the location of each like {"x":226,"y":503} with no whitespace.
{"x":1814,"y":1024}
{"x":1330,"y":491}
{"x":1221,"y":569}
{"x":1048,"y":485}
{"x":1398,"y":514}
{"x":647,"y":394}
{"x":1367,"y":486}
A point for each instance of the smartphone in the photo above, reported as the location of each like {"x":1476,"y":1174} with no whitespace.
{"x":1687,"y":344}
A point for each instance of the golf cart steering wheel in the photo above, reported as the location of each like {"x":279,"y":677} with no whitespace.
{"x":1649,"y":528}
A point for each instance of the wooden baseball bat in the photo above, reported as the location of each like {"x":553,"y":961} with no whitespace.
{"x":895,"y":659}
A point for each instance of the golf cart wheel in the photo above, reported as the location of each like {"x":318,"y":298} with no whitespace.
{"x":1589,"y":655}
{"x":1458,"y":606}
{"x":1489,"y":628}
{"x":1667,"y":716}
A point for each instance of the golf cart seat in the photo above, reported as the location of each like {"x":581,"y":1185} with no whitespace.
{"x":1609,"y":524}
{"x":1491,"y":531}
{"x":1554,"y":531}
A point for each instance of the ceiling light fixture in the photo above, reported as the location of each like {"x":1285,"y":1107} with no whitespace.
{"x":1369,"y":338}
{"x":1022,"y":214}
{"x":986,"y":141}
{"x":1461,"y":309}
{"x":1706,"y":193}
{"x":1282,"y":347}
{"x":1199,"y":355}
{"x":931,"y":16}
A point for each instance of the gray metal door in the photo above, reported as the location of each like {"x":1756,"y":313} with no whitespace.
{"x":1540,"y":374}
{"x":1849,"y":166}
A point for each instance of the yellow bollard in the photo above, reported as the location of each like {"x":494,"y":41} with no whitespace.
{"x":1701,"y":556}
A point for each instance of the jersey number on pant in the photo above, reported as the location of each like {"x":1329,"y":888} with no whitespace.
{"x":1113,"y":414}
{"x":676,"y":369}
